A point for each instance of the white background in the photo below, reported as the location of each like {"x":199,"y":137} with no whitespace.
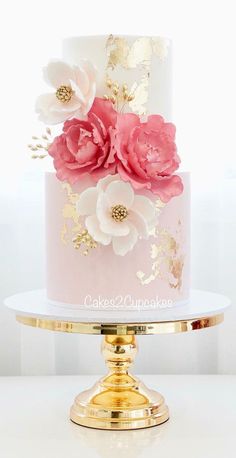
{"x":204,"y":102}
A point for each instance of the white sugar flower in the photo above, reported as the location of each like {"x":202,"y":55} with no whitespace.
{"x":73,"y":94}
{"x":115,"y":214}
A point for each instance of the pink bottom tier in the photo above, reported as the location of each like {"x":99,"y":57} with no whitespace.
{"x":154,"y":275}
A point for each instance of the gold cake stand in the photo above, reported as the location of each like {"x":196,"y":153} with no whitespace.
{"x":118,"y":401}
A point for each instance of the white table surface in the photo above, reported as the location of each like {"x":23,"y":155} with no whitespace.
{"x":34,"y":420}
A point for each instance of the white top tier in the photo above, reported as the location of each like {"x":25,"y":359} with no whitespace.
{"x":142,"y":63}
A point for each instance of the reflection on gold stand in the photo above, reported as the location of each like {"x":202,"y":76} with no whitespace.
{"x":120,"y":401}
{"x":120,"y":444}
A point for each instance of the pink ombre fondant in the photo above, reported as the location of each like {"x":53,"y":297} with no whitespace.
{"x":75,"y":279}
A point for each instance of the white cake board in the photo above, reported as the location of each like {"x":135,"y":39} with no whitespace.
{"x":35,"y":304}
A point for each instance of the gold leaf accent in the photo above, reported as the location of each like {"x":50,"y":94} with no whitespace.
{"x":140,"y":53}
{"x":176,"y":268}
{"x":166,"y":260}
{"x":69,"y":213}
{"x":74,"y":230}
{"x":118,"y":52}
{"x":63,"y":233}
{"x":160,"y":47}
{"x":159,"y":204}
{"x":71,"y":195}
{"x":139,"y":103}
{"x":135,"y":56}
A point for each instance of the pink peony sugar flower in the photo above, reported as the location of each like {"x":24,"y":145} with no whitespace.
{"x":147,"y":154}
{"x":86,"y":145}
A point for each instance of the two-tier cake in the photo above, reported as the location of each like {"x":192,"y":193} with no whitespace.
{"x":117,"y":209}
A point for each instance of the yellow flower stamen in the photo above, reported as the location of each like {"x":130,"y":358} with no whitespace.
{"x":119,"y":213}
{"x":64,"y":94}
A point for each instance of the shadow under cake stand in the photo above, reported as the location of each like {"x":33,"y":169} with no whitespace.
{"x":119,"y":400}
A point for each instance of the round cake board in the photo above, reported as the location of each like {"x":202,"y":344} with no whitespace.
{"x":36,"y":305}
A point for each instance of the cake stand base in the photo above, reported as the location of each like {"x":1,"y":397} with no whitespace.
{"x":119,"y":400}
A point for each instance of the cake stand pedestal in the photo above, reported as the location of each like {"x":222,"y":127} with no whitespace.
{"x":119,"y":401}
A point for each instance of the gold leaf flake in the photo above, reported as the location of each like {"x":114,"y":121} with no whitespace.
{"x":140,"y":91}
{"x":69,"y":211}
{"x":166,"y":260}
{"x":73,"y":230}
{"x":140,"y":274}
{"x":176,"y":268}
{"x":72,"y":196}
{"x":64,"y":231}
{"x":160,"y":47}
{"x":118,"y":52}
{"x":159,"y":203}
{"x":138,"y":55}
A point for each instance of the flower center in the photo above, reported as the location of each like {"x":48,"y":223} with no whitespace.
{"x":119,"y":212}
{"x":64,"y":94}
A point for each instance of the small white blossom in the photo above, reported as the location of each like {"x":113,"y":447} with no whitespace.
{"x":73,"y":95}
{"x":116,"y":215}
